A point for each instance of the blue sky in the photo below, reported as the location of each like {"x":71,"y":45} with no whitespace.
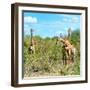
{"x":50,"y":24}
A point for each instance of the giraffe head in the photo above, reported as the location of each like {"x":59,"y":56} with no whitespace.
{"x":59,"y":41}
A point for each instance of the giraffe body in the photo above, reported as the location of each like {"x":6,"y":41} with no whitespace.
{"x":32,"y":47}
{"x":68,"y":51}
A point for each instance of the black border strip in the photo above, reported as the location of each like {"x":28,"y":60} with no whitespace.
{"x":50,"y":6}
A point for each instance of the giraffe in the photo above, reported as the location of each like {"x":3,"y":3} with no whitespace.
{"x":32,"y":43}
{"x":32,"y":47}
{"x":68,"y":51}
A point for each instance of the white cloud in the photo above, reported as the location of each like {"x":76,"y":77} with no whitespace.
{"x":30,"y":19}
{"x":26,"y":26}
{"x":74,"y":19}
{"x":71,"y":20}
{"x":65,"y":20}
{"x":66,"y":16}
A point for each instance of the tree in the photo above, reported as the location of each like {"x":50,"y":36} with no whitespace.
{"x":75,"y":37}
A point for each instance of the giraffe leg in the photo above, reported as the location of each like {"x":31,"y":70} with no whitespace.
{"x":64,"y":58}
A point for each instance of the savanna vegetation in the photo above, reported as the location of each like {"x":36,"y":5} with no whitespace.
{"x":47,"y":59}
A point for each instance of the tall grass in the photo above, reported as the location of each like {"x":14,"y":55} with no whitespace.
{"x":47,"y":60}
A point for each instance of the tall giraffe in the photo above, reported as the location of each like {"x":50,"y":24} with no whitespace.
{"x":32,"y":43}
